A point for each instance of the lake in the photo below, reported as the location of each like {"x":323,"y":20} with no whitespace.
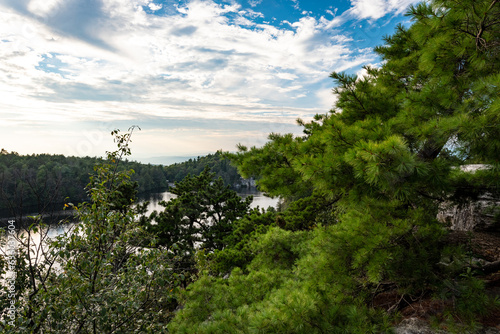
{"x":259,"y":200}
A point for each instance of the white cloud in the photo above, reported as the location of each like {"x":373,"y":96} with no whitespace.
{"x":296,"y":4}
{"x":369,"y":8}
{"x":154,"y":7}
{"x":375,"y":9}
{"x":361,"y":73}
{"x":254,"y":3}
{"x":43,"y":7}
{"x":253,"y":14}
{"x":326,"y":98}
{"x":195,"y":63}
{"x":332,"y":13}
{"x":286,"y":76}
{"x":243,"y":21}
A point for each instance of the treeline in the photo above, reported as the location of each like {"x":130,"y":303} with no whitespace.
{"x":217,"y":164}
{"x":44,"y":182}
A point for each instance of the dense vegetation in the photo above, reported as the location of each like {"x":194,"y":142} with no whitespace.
{"x":379,"y":164}
{"x":201,"y":218}
{"x":103,"y":282}
{"x":362,"y":186}
{"x":43,"y":182}
{"x":221,"y":167}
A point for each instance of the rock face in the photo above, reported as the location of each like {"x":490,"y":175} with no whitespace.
{"x":477,"y":226}
{"x":415,"y":326}
{"x":482,"y":215}
{"x":418,"y":326}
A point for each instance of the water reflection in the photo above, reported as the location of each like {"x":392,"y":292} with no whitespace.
{"x":54,"y":230}
{"x":259,"y":200}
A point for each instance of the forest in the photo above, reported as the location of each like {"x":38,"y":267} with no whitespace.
{"x":221,"y":167}
{"x":42,"y":182}
{"x":355,"y":248}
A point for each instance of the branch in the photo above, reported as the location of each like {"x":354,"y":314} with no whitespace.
{"x":488,"y":268}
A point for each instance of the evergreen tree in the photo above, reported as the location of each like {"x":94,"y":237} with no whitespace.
{"x":217,"y":164}
{"x":385,"y":158}
{"x":202,"y":216}
{"x":43,"y":183}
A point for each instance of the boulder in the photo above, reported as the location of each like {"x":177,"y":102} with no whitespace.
{"x":481,"y":215}
{"x":415,"y":326}
{"x":419,"y":326}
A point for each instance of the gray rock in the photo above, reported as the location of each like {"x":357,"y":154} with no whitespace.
{"x":480,"y":215}
{"x":415,"y":326}
{"x":418,"y":326}
{"x":475,"y":216}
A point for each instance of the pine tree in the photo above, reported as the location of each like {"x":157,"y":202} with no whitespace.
{"x":201,"y":217}
{"x":386,"y":156}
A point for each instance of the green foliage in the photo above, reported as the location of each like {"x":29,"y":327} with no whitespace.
{"x":285,"y":291}
{"x":363,"y":187}
{"x":307,"y":212}
{"x":469,"y":301}
{"x":239,"y":250}
{"x":217,"y":164}
{"x":43,"y":183}
{"x":302,"y":214}
{"x":272,"y":164}
{"x":202,"y":216}
{"x":95,"y":278}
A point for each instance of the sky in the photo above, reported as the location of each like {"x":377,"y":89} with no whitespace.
{"x":196,"y":76}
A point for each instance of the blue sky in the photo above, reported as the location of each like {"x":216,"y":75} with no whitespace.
{"x":195,"y":75}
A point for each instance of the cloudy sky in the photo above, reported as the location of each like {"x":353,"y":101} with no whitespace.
{"x":195,"y":75}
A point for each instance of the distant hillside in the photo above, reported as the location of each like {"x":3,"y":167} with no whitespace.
{"x":36,"y":183}
{"x":167,"y":160}
{"x":221,"y":167}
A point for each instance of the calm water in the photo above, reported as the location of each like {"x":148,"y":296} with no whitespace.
{"x":259,"y":200}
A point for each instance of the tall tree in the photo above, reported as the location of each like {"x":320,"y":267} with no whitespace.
{"x":221,"y":167}
{"x":387,"y":155}
{"x":201,"y":215}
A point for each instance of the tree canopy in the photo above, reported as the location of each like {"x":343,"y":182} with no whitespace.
{"x":201,"y":217}
{"x":94,"y":278}
{"x":383,"y":159}
{"x":217,"y":164}
{"x":41,"y":183}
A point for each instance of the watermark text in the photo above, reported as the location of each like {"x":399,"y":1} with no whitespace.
{"x":11,"y":272}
